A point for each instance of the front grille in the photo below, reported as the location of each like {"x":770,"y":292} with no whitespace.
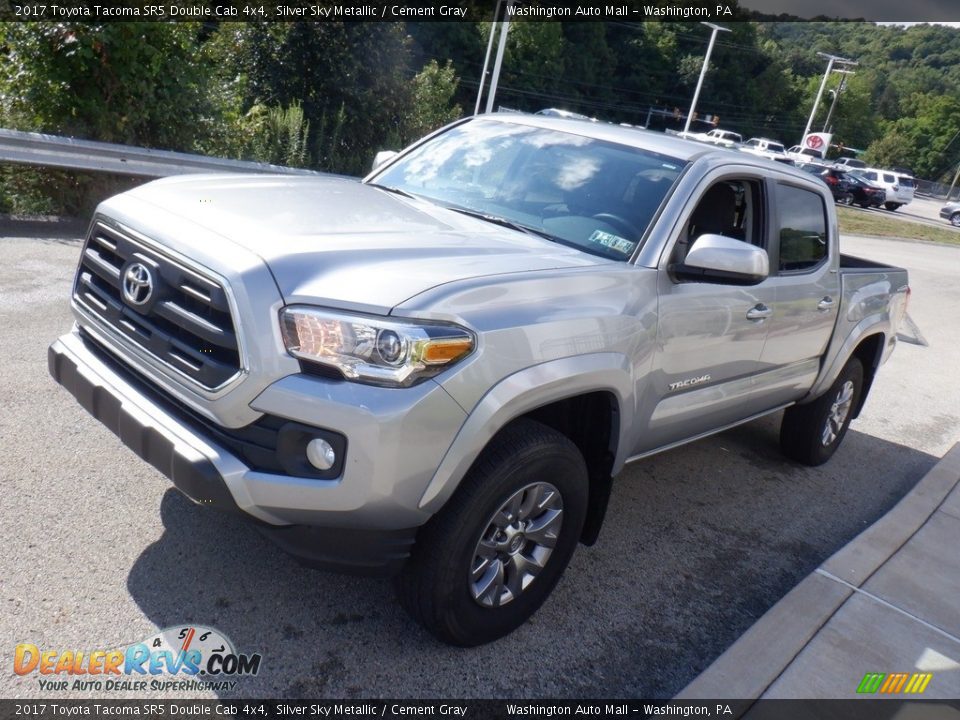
{"x":183,"y":320}
{"x":271,"y":444}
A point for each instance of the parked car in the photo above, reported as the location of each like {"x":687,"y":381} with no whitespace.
{"x":898,"y":188}
{"x":800,"y":154}
{"x":849,"y":163}
{"x":865,"y":193}
{"x":951,"y":212}
{"x":438,"y":371}
{"x":767,"y":148}
{"x":724,"y":138}
{"x":838,"y":182}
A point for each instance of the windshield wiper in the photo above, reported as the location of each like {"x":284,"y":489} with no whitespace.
{"x":502,"y":221}
{"x":394,"y":190}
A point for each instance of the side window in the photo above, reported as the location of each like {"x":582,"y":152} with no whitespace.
{"x":802,"y":228}
{"x":888,"y":178}
{"x":870,"y":176}
{"x":731,"y":208}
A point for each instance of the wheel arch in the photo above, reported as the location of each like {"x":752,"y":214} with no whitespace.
{"x":870,"y":353}
{"x":589,"y":399}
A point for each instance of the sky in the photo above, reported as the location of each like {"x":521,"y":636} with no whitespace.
{"x":940,"y":11}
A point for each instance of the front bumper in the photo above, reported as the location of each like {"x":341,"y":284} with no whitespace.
{"x":351,"y":523}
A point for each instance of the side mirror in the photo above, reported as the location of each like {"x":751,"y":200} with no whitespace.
{"x":717,"y":258}
{"x":383,"y":156}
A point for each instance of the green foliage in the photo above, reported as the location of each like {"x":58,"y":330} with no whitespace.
{"x":277,"y":135}
{"x":134,"y":83}
{"x":433,"y":91}
{"x":341,"y":73}
{"x":924,"y":139}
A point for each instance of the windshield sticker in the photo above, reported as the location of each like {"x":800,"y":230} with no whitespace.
{"x":614,"y":242}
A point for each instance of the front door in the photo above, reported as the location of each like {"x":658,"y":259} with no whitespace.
{"x":710,"y":335}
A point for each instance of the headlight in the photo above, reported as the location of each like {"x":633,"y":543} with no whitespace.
{"x":372,"y":349}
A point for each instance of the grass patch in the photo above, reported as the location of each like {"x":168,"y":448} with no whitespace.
{"x":854,"y":222}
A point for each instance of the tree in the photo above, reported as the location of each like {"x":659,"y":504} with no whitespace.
{"x":134,"y":83}
{"x":433,"y":90}
{"x":925,"y":139}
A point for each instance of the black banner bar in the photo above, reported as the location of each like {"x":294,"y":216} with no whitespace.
{"x":469,"y":10}
{"x":863,"y":709}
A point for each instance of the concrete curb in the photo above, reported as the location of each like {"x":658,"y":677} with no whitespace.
{"x":760,"y":655}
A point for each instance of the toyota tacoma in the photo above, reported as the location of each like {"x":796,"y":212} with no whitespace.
{"x":436,"y":372}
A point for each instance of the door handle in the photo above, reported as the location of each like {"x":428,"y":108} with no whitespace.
{"x":759,"y":312}
{"x":825,"y":304}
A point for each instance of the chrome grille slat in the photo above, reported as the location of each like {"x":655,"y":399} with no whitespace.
{"x":187,"y":325}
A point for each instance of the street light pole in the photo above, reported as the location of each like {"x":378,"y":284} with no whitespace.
{"x":486,"y":59}
{"x":703,"y":71}
{"x":505,"y":28}
{"x":816,"y":103}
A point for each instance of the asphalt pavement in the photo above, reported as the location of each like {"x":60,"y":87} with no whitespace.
{"x":699,"y":542}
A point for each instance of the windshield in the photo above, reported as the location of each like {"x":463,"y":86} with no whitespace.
{"x":594,"y":195}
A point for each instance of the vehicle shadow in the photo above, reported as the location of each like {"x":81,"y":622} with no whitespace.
{"x":698,"y":543}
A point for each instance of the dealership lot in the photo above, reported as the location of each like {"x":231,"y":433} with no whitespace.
{"x":698,"y":543}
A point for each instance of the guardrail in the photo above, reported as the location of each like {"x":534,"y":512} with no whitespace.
{"x":54,"y":151}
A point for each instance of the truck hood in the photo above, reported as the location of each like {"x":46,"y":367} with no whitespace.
{"x":335,"y":241}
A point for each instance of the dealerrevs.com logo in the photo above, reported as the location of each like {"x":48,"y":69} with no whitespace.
{"x":188,"y":657}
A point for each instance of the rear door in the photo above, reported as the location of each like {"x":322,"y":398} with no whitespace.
{"x":803,"y":274}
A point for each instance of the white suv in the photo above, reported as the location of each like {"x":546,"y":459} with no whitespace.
{"x":899,"y":187}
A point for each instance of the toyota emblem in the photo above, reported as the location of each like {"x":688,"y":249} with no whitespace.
{"x":137,"y":284}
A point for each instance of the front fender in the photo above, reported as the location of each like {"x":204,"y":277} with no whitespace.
{"x":527,"y":390}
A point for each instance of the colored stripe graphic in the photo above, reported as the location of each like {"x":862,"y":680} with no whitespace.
{"x":871,"y":682}
{"x":894,"y":683}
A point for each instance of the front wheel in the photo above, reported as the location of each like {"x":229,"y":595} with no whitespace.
{"x":811,"y":433}
{"x":486,"y":562}
{"x":955,"y":219}
{"x":891,"y":206}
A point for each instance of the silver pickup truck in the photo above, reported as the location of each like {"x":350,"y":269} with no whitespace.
{"x":437,"y":372}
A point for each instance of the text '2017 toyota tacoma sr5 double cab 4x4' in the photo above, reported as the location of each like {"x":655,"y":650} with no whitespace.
{"x":436,"y":372}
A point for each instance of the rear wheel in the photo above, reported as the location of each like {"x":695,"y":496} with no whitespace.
{"x":891,"y":206}
{"x":484,"y":564}
{"x":811,"y":433}
{"x":845,"y":199}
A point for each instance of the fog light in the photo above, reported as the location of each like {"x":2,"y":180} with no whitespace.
{"x":320,"y":453}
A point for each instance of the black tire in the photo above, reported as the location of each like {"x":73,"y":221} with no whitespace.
{"x":804,"y":435}
{"x":436,"y":586}
{"x":865,"y":206}
{"x":845,"y":199}
{"x":955,"y":219}
{"x":891,"y":206}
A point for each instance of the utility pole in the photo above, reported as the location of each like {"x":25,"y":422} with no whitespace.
{"x":703,"y":71}
{"x":836,"y":95}
{"x":505,"y":28}
{"x":486,"y":59}
{"x":954,"y":183}
{"x":816,"y":103}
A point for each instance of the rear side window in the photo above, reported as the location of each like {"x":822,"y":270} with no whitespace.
{"x":888,"y":178}
{"x":870,"y":175}
{"x":802,"y":228}
{"x":906,"y":181}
